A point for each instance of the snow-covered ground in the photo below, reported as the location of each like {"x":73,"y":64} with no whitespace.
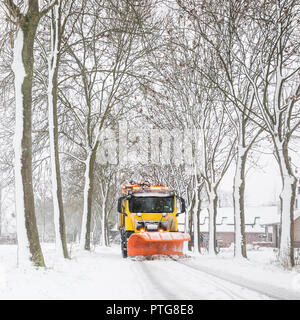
{"x":103,"y":274}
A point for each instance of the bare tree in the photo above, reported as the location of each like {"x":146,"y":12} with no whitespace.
{"x":106,"y":53}
{"x":57,"y":32}
{"x":276,"y":87}
{"x":25,"y":17}
{"x":187,"y":99}
{"x":218,"y":26}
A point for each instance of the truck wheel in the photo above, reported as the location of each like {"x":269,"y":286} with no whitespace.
{"x":123,"y":249}
{"x":124,"y":241}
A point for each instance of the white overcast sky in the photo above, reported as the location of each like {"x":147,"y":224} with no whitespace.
{"x":263,"y":183}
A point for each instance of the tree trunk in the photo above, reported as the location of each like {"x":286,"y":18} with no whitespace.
{"x":239,"y":205}
{"x":106,"y":233}
{"x":103,"y":225}
{"x":27,"y":232}
{"x":287,"y":203}
{"x":212,"y":209}
{"x":198,"y":219}
{"x":85,"y":239}
{"x":190,"y":223}
{"x":196,"y":229}
{"x":59,"y":220}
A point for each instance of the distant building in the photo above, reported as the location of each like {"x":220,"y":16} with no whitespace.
{"x":262,"y":225}
{"x":255,"y":219}
{"x":272,"y":229}
{"x":8,"y":238}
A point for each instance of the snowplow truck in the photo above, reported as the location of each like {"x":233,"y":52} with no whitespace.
{"x":148,"y":221}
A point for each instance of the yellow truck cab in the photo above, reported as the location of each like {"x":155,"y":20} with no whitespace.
{"x":146,"y":210}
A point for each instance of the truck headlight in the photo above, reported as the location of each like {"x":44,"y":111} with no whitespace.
{"x":139,"y":214}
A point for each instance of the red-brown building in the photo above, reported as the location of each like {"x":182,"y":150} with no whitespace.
{"x":262,"y":225}
{"x":255,"y":220}
{"x":272,"y":233}
{"x":272,"y":229}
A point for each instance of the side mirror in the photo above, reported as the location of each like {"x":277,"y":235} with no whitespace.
{"x":120,"y":200}
{"x":180,"y":205}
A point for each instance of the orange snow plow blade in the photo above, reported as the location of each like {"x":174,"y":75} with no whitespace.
{"x":151,"y":243}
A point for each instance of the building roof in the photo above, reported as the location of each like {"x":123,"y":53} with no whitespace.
{"x":255,"y":219}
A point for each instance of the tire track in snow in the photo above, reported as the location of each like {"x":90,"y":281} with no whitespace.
{"x":158,"y":274}
{"x":155,"y":283}
{"x":211,"y":283}
{"x":221,"y":284}
{"x":144,"y":285}
{"x":268,"y":293}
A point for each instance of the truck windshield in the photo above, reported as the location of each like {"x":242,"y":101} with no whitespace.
{"x":151,"y":204}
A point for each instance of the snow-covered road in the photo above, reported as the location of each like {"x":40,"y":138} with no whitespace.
{"x":266,"y":291}
{"x":176,"y":281}
{"x":103,"y":274}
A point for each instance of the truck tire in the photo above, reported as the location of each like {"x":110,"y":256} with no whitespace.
{"x":124,"y":240}
{"x":123,"y":249}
